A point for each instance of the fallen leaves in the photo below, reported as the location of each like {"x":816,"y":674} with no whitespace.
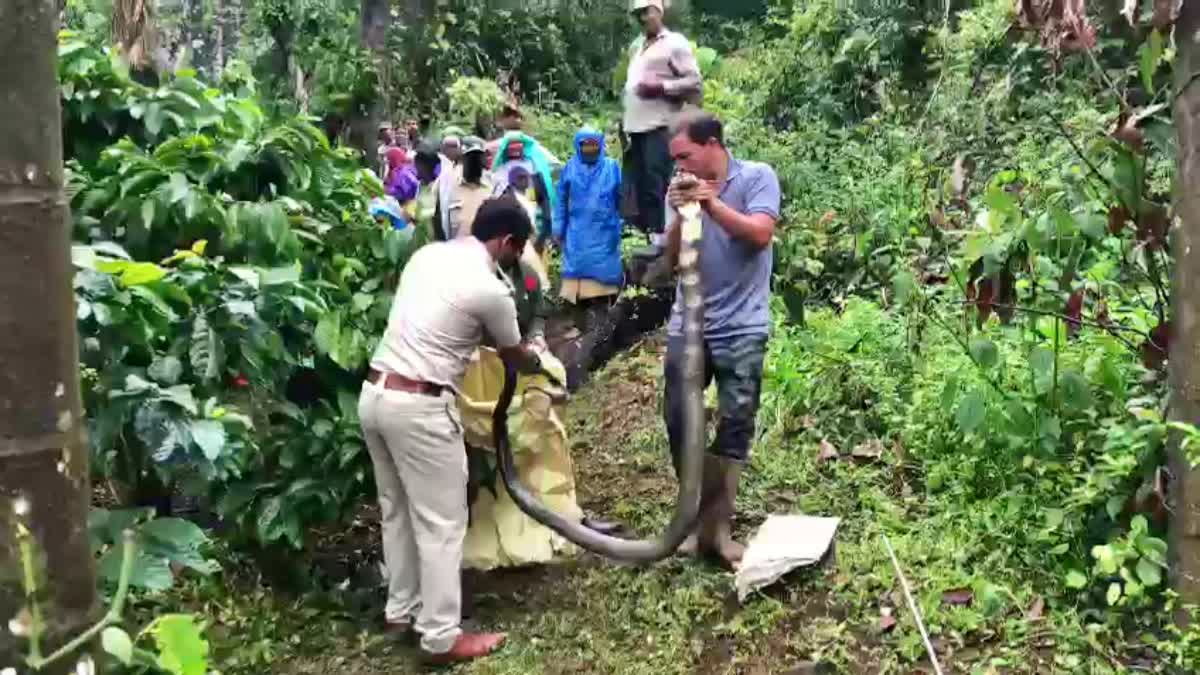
{"x":1151,"y":498}
{"x":827,"y":452}
{"x":1157,"y":348}
{"x":1127,"y":128}
{"x":1061,"y":24}
{"x":1126,"y":131}
{"x":1118,"y":216}
{"x":1074,"y":313}
{"x":958,"y":597}
{"x":868,"y":450}
{"x":1036,"y":609}
{"x":964,"y":167}
{"x":1152,"y":227}
{"x":996,"y":293}
{"x":887,"y":620}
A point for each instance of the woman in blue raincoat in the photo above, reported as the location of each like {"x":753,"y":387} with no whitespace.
{"x":587,"y":226}
{"x":587,"y":223}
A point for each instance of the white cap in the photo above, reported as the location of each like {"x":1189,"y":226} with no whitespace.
{"x":642,"y":4}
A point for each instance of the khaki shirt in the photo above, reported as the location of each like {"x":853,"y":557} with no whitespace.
{"x":667,"y":58}
{"x":465,"y":200}
{"x":449,"y":295}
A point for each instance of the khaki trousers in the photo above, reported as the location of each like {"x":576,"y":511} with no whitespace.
{"x":416,"y":446}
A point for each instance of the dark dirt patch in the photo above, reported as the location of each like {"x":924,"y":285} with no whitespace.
{"x":605,"y":423}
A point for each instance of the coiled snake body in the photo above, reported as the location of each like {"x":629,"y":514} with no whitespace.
{"x":687,"y":507}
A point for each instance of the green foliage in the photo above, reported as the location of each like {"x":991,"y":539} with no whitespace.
{"x":475,"y":100}
{"x":173,"y":644}
{"x":1063,"y":501}
{"x":989,"y":229}
{"x":541,"y":52}
{"x":163,"y":545}
{"x":230,"y":286}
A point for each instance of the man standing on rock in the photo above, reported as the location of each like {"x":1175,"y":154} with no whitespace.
{"x":449,"y":296}
{"x":740,"y":206}
{"x":662,"y":76}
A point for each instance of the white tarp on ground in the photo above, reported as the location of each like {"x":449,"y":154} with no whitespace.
{"x":782,"y":544}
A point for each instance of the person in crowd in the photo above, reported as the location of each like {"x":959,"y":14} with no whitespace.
{"x":452,"y":144}
{"x":387,"y":141}
{"x":401,"y":181}
{"x":473,"y":186}
{"x":519,"y":186}
{"x":740,"y":203}
{"x":431,"y":166}
{"x":451,"y":158}
{"x":587,"y":228}
{"x":663,"y":74}
{"x":413,"y":430}
{"x":518,"y":150}
{"x":412,"y":134}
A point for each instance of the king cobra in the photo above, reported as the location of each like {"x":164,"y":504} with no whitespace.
{"x":687,"y":505}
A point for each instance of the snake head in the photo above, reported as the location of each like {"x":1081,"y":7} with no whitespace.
{"x":683,"y":180}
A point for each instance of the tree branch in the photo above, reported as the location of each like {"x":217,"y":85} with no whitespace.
{"x":1112,"y":328}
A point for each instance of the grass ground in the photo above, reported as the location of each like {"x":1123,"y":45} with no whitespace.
{"x":587,"y":615}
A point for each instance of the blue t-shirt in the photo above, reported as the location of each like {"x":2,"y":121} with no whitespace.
{"x":736,"y":275}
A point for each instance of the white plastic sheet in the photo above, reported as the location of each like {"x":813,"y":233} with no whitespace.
{"x":782,"y":544}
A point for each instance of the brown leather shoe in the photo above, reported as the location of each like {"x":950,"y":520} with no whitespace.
{"x":468,"y":647}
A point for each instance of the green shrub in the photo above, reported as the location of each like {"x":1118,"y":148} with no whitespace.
{"x":230,"y":287}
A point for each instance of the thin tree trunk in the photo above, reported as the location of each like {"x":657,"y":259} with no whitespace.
{"x":43,"y":458}
{"x":1185,"y":358}
{"x":375,"y":20}
{"x":219,"y":30}
{"x":233,"y":9}
{"x":195,"y":35}
{"x":299,"y":90}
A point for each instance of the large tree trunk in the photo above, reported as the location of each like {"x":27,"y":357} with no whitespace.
{"x":1185,"y":359}
{"x":375,"y":19}
{"x":43,"y":458}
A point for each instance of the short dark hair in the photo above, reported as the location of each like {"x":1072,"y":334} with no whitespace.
{"x":427,"y":153}
{"x":700,"y":127}
{"x":502,"y":217}
{"x":473,"y":166}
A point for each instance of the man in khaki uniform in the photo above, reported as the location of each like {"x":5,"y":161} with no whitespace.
{"x":449,"y":295}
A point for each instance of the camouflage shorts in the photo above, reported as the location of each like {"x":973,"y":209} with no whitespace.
{"x":737,"y":365}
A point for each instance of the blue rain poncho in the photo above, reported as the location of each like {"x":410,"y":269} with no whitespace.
{"x":587,"y":218}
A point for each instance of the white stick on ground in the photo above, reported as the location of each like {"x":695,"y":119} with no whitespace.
{"x":913,"y":606}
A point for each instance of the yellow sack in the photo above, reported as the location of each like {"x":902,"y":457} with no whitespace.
{"x":501,"y":535}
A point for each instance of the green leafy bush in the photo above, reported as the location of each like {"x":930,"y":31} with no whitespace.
{"x":230,"y":286}
{"x":161,"y":544}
